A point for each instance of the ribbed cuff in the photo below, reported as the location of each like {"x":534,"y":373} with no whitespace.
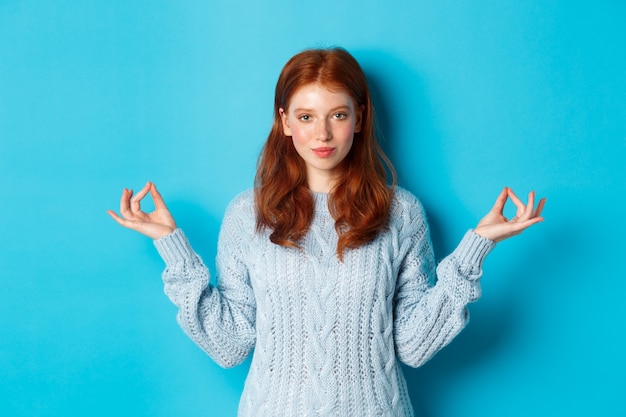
{"x":473,"y":249}
{"x":174,"y":247}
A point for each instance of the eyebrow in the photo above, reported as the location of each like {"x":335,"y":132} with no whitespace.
{"x":300,"y":109}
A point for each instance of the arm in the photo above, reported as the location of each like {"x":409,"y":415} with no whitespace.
{"x":431,"y":300}
{"x":219,"y":320}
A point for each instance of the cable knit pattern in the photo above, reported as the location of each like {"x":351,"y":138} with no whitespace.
{"x":327,"y":335}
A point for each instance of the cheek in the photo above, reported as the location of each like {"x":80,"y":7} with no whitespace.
{"x":345,"y":133}
{"x":298,"y":140}
{"x":349,"y":144}
{"x":299,"y":133}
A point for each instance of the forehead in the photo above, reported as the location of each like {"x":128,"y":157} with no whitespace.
{"x":320,"y":95}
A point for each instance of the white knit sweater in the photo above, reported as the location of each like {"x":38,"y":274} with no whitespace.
{"x":327,"y":335}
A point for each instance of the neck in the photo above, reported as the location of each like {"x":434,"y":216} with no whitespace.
{"x":321,"y":183}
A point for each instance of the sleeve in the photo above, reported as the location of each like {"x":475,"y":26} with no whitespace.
{"x":220,"y":320}
{"x":430,"y":304}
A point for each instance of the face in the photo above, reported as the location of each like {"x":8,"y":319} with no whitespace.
{"x":322,"y":124}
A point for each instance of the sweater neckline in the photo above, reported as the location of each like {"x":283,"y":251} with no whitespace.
{"x":321,"y":202}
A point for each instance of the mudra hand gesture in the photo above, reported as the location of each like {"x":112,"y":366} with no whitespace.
{"x":155,"y":225}
{"x":159,"y":223}
{"x":496,"y":227}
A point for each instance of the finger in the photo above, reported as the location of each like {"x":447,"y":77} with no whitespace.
{"x":129,"y":224}
{"x":135,"y":202}
{"x":117,"y":218}
{"x":515,"y":199}
{"x":521,"y":207}
{"x":539,"y":208}
{"x":521,"y":226}
{"x":159,"y":204}
{"x":528,"y":210}
{"x":498,"y":207}
{"x":125,"y":203}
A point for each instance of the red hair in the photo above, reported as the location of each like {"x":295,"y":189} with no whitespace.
{"x":360,"y":200}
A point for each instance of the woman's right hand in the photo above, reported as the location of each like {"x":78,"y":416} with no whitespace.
{"x":155,"y":225}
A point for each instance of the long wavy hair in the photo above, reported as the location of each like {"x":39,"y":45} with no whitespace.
{"x":360,"y":200}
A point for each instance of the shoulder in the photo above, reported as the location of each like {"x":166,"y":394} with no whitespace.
{"x":241,"y":210}
{"x":404,"y":203}
{"x":242,"y":201}
{"x":406,"y":212}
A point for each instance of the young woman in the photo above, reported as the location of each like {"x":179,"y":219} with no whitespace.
{"x":324,"y":268}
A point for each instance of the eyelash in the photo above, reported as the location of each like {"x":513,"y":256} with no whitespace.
{"x":337,"y":116}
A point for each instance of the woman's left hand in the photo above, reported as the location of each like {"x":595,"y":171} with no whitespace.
{"x":496,"y":227}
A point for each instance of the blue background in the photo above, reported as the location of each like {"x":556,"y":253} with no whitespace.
{"x":472,"y":96}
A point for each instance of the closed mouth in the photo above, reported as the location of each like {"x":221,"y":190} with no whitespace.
{"x":325,"y":151}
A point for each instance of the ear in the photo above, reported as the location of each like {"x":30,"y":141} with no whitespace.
{"x":359,"y":119}
{"x":284,"y":119}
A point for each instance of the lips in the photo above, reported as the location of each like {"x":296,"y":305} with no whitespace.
{"x":323,"y":152}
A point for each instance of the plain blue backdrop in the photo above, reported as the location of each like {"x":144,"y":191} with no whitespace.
{"x":472,"y":96}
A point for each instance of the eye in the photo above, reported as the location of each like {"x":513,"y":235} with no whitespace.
{"x":340,"y":116}
{"x":305,"y":117}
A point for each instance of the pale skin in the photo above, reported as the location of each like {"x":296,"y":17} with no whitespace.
{"x":322,"y":123}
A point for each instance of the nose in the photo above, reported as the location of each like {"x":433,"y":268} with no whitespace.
{"x":324,"y":131}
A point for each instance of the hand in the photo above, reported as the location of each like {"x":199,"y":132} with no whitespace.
{"x":496,"y":227}
{"x":157,"y":224}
